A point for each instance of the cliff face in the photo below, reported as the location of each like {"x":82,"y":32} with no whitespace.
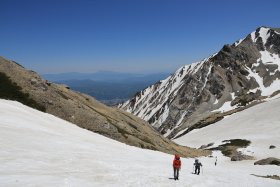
{"x":88,"y":113}
{"x":241,"y":73}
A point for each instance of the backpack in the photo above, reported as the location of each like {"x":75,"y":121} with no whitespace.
{"x":177,"y":163}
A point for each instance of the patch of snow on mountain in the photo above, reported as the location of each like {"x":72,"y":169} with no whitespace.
{"x":257,"y":78}
{"x":206,"y":78}
{"x":266,"y":91}
{"x":167,"y":87}
{"x":199,"y":64}
{"x":225,"y":107}
{"x":232,"y":96}
{"x":216,"y":101}
{"x":264,"y":34}
{"x":238,"y":42}
{"x":144,"y":94}
{"x":270,"y":58}
{"x":253,"y":36}
{"x":181,"y":119}
{"x":197,"y":67}
{"x":163,"y":117}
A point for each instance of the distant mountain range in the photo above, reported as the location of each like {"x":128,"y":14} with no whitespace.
{"x":108,"y":87}
{"x":106,"y":76}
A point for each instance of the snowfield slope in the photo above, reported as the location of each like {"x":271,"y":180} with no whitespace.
{"x":241,"y":73}
{"x":259,"y":124}
{"x":38,"y":149}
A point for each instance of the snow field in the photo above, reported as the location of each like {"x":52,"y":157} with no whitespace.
{"x":38,"y":149}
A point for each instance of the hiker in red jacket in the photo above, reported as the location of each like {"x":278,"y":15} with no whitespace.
{"x":176,"y":166}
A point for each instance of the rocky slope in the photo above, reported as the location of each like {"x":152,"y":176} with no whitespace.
{"x":239,"y":74}
{"x":88,"y":113}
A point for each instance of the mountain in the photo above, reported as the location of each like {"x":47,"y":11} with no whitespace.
{"x":28,"y":87}
{"x":39,"y":149}
{"x":237,"y":77}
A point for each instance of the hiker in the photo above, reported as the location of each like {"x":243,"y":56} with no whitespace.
{"x":176,"y":166}
{"x":216,"y":161}
{"x":197,"y":166}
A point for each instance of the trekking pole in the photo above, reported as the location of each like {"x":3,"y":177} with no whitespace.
{"x":193,"y":169}
{"x":202,"y":170}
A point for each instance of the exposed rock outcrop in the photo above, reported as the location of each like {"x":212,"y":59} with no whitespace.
{"x":268,"y":161}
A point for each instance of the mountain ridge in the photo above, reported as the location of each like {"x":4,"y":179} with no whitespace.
{"x":245,"y":71}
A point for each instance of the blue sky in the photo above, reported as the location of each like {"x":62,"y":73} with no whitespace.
{"x":53,"y":36}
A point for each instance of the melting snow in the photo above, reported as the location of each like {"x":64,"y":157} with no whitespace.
{"x":232,"y":96}
{"x":264,"y":34}
{"x":253,"y":36}
{"x":181,"y":118}
{"x":238,"y":42}
{"x":216,"y":101}
{"x":226,"y":107}
{"x":270,"y":58}
{"x":206,"y":78}
{"x":266,"y":58}
{"x":163,"y":117}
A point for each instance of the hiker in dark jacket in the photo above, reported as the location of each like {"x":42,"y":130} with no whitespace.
{"x":216,"y":161}
{"x":197,"y":166}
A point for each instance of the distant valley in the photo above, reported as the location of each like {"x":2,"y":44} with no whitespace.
{"x":108,"y":87}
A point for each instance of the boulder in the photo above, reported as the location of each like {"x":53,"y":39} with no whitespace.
{"x":239,"y":156}
{"x":268,"y":161}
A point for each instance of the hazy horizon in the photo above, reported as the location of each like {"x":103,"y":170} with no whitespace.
{"x":107,"y":71}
